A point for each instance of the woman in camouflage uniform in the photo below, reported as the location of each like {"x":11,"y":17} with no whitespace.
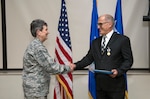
{"x":38,"y":64}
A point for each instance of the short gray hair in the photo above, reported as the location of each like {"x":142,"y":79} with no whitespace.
{"x":109,"y":18}
{"x":35,"y":25}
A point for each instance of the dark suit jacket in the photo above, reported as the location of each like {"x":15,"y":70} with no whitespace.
{"x":120,"y":58}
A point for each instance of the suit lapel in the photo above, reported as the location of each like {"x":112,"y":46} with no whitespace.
{"x":98,"y":46}
{"x":112,"y":39}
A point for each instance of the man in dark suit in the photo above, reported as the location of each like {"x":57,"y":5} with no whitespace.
{"x":113,"y":54}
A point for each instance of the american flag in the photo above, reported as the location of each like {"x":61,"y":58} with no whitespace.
{"x":63,"y":52}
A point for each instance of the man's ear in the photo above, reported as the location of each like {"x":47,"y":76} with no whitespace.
{"x":110,"y":25}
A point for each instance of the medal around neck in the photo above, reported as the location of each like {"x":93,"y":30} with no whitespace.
{"x":108,"y":51}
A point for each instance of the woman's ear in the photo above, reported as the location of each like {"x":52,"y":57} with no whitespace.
{"x":38,"y":32}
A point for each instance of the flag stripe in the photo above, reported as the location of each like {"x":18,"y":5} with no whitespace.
{"x":57,"y":91}
{"x":67,"y":80}
{"x":63,"y":50}
{"x":61,"y":58}
{"x":66,"y":83}
{"x":63,"y":83}
{"x":62,"y":42}
{"x":58,"y":58}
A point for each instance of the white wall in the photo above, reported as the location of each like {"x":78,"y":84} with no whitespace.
{"x":11,"y":85}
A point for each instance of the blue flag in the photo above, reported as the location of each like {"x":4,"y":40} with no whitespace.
{"x":118,"y":18}
{"x":94,"y":34}
{"x":119,"y":29}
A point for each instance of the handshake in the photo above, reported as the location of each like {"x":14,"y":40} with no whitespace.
{"x":72,"y":66}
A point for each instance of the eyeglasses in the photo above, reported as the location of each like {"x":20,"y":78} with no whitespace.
{"x":100,"y":24}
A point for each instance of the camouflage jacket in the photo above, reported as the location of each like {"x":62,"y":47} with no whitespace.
{"x":37,"y":67}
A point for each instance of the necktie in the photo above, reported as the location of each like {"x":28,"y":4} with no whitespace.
{"x":103,"y":44}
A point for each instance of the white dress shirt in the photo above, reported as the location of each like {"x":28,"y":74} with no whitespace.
{"x":108,"y":36}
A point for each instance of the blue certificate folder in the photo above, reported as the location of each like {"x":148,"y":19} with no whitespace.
{"x":103,"y":71}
